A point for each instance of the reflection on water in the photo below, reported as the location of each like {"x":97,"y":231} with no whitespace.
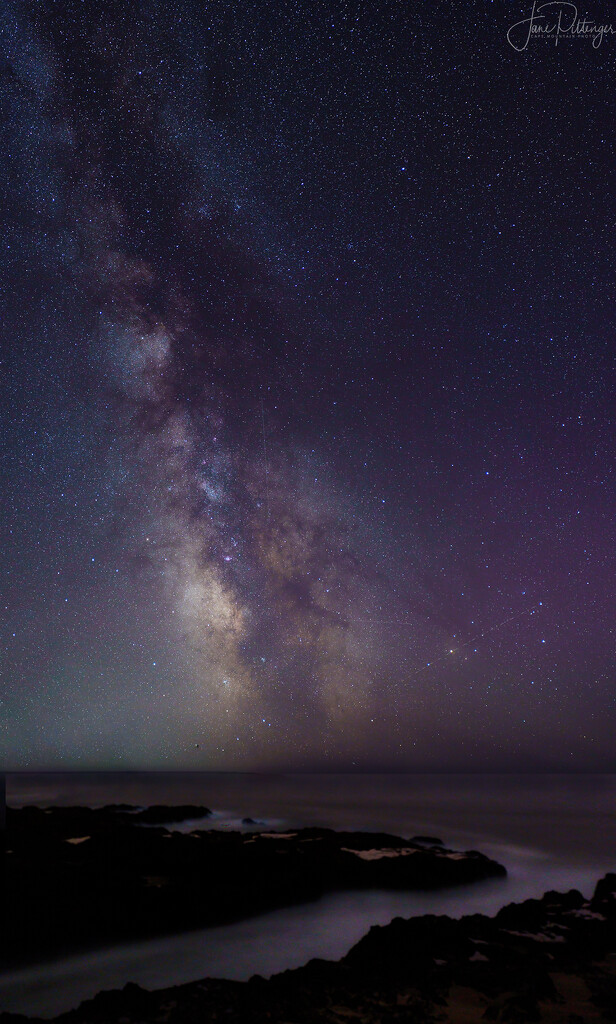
{"x":556,"y":832}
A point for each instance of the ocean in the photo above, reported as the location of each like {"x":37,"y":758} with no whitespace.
{"x":550,"y":832}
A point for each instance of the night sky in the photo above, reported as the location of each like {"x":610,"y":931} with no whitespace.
{"x":308,"y":367}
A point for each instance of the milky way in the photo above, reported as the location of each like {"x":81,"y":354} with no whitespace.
{"x":309,"y":425}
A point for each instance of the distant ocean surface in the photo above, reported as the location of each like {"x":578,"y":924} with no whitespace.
{"x":550,"y":832}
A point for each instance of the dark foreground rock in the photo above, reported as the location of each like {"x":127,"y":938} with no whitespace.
{"x":161,"y":814}
{"x":551,"y":960}
{"x":31,"y":823}
{"x":96,"y":877}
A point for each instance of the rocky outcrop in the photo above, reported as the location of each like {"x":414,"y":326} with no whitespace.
{"x":161,"y":814}
{"x":97,"y":877}
{"x":551,"y":960}
{"x":35,"y":823}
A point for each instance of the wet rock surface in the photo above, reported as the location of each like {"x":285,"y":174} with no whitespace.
{"x":551,"y":960}
{"x":96,"y":877}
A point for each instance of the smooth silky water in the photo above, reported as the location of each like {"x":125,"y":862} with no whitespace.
{"x":551,"y":832}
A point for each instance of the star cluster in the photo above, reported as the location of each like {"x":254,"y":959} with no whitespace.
{"x":309,"y":415}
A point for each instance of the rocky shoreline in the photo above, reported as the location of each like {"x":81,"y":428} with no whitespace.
{"x":551,"y":960}
{"x":91,"y":878}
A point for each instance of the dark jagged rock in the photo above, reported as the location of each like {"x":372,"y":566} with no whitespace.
{"x":426,"y":970}
{"x":163,"y":815}
{"x":66,"y":822}
{"x":96,"y":877}
{"x":604,"y":895}
{"x":427,"y":841}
